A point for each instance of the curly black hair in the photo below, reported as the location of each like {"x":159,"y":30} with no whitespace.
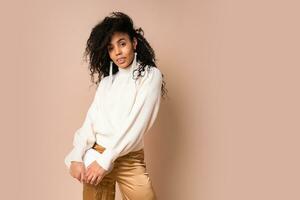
{"x":96,"y":47}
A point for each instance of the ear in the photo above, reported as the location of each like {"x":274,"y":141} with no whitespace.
{"x":134,"y":42}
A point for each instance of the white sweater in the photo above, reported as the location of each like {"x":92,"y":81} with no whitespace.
{"x":122,"y":111}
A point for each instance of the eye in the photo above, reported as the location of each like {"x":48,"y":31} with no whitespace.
{"x":123,"y":44}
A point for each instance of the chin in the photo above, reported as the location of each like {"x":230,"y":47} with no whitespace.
{"x":124,"y":65}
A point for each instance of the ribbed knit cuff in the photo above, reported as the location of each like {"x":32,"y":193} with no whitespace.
{"x":106,"y":159}
{"x":75,"y":155}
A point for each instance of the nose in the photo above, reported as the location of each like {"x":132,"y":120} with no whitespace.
{"x":117,"y":51}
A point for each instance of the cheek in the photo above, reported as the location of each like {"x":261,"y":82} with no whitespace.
{"x":127,"y":48}
{"x":127,"y":52}
{"x":110,"y":54}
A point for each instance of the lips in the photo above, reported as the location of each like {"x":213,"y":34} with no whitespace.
{"x":121,"y":60}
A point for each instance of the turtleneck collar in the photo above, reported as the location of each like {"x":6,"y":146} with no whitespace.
{"x":126,"y":71}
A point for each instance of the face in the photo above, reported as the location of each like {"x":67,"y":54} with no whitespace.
{"x":121,"y":49}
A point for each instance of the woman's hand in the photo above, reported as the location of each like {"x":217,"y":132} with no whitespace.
{"x":94,"y":173}
{"x":77,"y":170}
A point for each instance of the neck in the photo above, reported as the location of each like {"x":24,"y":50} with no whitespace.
{"x":127,"y":70}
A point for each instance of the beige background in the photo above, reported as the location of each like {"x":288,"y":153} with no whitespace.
{"x":229,"y":131}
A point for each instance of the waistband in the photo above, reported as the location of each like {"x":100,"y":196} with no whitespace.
{"x":101,"y":149}
{"x":98,"y":148}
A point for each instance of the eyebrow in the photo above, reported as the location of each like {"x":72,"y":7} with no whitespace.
{"x":118,"y":40}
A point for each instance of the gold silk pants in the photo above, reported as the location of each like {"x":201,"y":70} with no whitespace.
{"x":129,"y":171}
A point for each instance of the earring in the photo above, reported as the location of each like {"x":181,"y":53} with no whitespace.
{"x":134,"y":63}
{"x":110,"y":71}
{"x":135,"y":57}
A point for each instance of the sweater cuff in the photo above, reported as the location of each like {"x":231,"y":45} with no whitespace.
{"x":106,"y":159}
{"x":75,"y":155}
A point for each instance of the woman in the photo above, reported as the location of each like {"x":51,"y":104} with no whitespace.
{"x":124,"y":108}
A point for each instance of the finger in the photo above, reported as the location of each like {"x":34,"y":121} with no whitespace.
{"x":77,"y":177}
{"x":83,"y":171}
{"x":81,"y":177}
{"x":88,"y":170}
{"x":89,"y":178}
{"x":98,"y":180}
{"x":94,"y":179}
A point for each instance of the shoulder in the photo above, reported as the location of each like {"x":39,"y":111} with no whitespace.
{"x":156,"y":72}
{"x":101,"y":84}
{"x":152,"y":73}
{"x":151,"y":77}
{"x":156,"y":76}
{"x":104,"y":80}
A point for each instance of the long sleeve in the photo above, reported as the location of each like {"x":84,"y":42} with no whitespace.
{"x":139,"y":120}
{"x":84,"y":137}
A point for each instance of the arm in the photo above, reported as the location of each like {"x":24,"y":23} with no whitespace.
{"x":84,"y":137}
{"x":138,"y":122}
